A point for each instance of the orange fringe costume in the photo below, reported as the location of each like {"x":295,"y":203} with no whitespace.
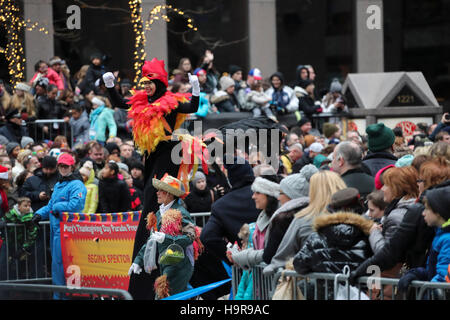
{"x":171,"y":225}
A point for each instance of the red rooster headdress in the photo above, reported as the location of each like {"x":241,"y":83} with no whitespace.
{"x":155,"y":69}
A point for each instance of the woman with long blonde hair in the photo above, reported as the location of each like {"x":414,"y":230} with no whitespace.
{"x":321,"y":187}
{"x":23,"y":101}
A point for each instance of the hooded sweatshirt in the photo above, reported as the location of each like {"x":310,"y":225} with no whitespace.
{"x":284,"y":97}
{"x":102,"y":118}
{"x":80,"y":128}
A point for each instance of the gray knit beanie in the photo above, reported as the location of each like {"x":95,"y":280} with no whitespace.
{"x":10,"y":147}
{"x":297,"y":185}
{"x":3,"y":140}
{"x":226,"y":82}
{"x":26,"y":141}
{"x":198,"y":175}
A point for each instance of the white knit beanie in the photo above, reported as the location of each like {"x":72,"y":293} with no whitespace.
{"x":266,"y":187}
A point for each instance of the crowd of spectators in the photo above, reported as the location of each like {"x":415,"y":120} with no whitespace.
{"x":335,"y":198}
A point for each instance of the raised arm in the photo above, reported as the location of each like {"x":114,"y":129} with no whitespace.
{"x":116,"y":99}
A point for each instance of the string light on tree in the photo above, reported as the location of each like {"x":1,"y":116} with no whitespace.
{"x":11,"y":21}
{"x":158,"y":12}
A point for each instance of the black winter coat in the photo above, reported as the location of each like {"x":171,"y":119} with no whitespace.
{"x":13,"y":132}
{"x":378,"y":160}
{"x":92,"y":74}
{"x":50,"y":109}
{"x":199,"y":200}
{"x":339,"y":239}
{"x":113,"y":195}
{"x":37,"y":183}
{"x":308,"y":106}
{"x":408,"y":244}
{"x":228,"y":214}
{"x":357,"y":178}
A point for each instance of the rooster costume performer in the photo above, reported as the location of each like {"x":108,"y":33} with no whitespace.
{"x":155,"y":113}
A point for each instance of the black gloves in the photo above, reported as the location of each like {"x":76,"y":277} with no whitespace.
{"x":36,"y":218}
{"x":412,"y":275}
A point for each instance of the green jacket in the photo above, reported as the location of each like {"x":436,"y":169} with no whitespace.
{"x":24,"y":236}
{"x":179,"y":274}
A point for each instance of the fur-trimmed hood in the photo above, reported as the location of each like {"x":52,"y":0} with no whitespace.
{"x":342,"y":217}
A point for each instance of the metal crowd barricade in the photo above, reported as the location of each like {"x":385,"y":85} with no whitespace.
{"x":36,"y":267}
{"x":262,"y":284}
{"x":200,"y":218}
{"x":55,"y":127}
{"x":321,"y":286}
{"x":68,"y":292}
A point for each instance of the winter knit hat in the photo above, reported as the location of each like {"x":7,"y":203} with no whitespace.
{"x":26,"y":141}
{"x":404,"y":161}
{"x":123,"y":166}
{"x":11,"y":146}
{"x":233,"y":69}
{"x":49,"y":162}
{"x":380,"y":137}
{"x":238,"y":170}
{"x":198,"y":176}
{"x":137,"y":165}
{"x":439,"y":201}
{"x":297,"y":185}
{"x":4,"y":173}
{"x":266,"y":187}
{"x":3,"y":140}
{"x":23,"y":86}
{"x":226,"y":82}
{"x":378,"y":183}
{"x":329,"y":129}
{"x":302,"y":121}
{"x":335,"y":86}
{"x":97,"y":101}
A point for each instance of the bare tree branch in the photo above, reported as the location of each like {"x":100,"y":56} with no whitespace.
{"x":101,"y":7}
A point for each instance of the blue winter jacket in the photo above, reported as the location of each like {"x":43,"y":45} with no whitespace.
{"x":438,"y":258}
{"x":69,"y":195}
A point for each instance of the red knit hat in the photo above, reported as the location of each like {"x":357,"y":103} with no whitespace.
{"x":66,"y":159}
{"x":4,"y":173}
{"x":378,"y":184}
{"x":155,"y":69}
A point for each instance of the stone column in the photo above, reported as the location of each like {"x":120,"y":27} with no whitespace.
{"x":38,"y":45}
{"x":156,"y":39}
{"x":369,"y":39}
{"x":262,"y":36}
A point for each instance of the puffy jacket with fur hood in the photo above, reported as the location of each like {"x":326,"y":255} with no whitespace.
{"x":339,"y":239}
